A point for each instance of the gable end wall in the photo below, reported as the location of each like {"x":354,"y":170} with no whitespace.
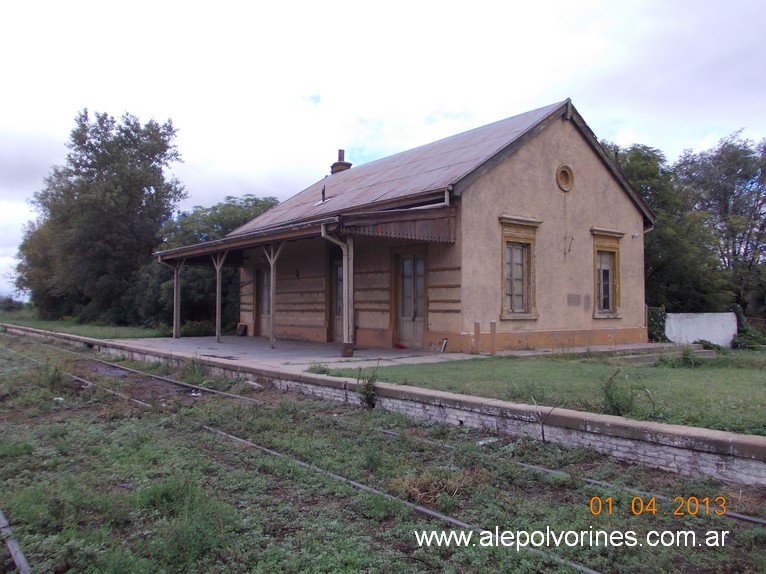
{"x":524,"y":185}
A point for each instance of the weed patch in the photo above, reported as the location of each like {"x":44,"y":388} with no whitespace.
{"x":195,"y":372}
{"x":318,"y":369}
{"x":618,"y":399}
{"x":436,"y":486}
{"x":124,"y":490}
{"x":366,"y":388}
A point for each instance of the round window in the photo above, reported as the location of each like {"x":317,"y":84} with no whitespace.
{"x":565,"y":177}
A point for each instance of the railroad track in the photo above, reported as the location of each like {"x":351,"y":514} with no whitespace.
{"x":153,"y":389}
{"x":141,"y":379}
{"x":150,"y":390}
{"x":147,"y":389}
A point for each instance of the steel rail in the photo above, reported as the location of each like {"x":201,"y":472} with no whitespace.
{"x":145,"y":374}
{"x":418,"y":509}
{"x":732,"y":515}
{"x":319,"y":470}
{"x":13,"y":547}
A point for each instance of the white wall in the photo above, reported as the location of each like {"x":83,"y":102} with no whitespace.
{"x":718,"y":328}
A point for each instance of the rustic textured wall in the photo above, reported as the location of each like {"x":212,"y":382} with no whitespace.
{"x":247,"y":296}
{"x":525,"y":186}
{"x":689,"y":451}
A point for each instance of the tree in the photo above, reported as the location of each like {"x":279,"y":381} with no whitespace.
{"x":152,"y":292}
{"x":681,"y":268}
{"x":100,"y":217}
{"x":203,"y":224}
{"x":728,"y":185}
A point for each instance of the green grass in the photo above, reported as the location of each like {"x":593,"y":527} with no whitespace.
{"x":725,"y":393}
{"x":96,"y":485}
{"x":28,"y":318}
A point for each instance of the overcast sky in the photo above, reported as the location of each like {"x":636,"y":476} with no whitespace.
{"x":265,"y":93}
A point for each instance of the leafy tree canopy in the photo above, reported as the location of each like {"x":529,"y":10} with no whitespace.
{"x":681,"y":268}
{"x":152,"y":292}
{"x":100,"y":217}
{"x":727,"y":186}
{"x":207,"y":223}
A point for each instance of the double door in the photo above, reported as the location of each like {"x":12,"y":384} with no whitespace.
{"x":411,"y":300}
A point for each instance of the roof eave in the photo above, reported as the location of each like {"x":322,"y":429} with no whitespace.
{"x":646,"y":211}
{"x":464,"y":181}
{"x":413,"y":199}
{"x":568,"y":112}
{"x":293,"y":230}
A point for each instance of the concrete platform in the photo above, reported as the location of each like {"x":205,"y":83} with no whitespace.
{"x":298,"y":356}
{"x":697,"y":452}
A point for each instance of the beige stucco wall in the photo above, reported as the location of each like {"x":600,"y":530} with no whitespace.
{"x":464,"y":280}
{"x":374,"y":272}
{"x":524,"y":185}
{"x":372,"y":284}
{"x":301,"y":290}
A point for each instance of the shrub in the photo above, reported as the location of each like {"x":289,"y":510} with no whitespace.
{"x":746,"y":337}
{"x":657,"y":319}
{"x":366,"y":388}
{"x":687,"y":359}
{"x":707,"y":345}
{"x":163,"y":328}
{"x":198,"y":329}
{"x":9,"y":304}
{"x":618,"y":400}
{"x":194,"y":372}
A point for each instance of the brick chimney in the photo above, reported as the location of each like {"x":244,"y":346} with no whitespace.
{"x":341,"y":164}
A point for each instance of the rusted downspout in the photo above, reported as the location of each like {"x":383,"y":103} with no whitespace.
{"x":347,"y":247}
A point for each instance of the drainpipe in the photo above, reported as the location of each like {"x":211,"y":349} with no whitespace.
{"x":347,"y":247}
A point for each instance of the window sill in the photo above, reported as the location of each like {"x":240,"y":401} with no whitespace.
{"x":506,"y":316}
{"x":607,"y":315}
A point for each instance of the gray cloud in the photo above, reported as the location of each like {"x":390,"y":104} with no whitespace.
{"x":25,"y":160}
{"x":671,"y":75}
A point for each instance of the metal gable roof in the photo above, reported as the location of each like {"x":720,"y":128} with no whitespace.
{"x":424,"y":170}
{"x":407,"y":179}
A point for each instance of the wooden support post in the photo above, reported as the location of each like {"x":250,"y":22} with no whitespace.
{"x":177,"y":266}
{"x":492,"y":337}
{"x":218,"y":261}
{"x":272,"y":255}
{"x":476,"y":337}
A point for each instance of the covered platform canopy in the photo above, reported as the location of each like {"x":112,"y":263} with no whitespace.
{"x":430,"y":222}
